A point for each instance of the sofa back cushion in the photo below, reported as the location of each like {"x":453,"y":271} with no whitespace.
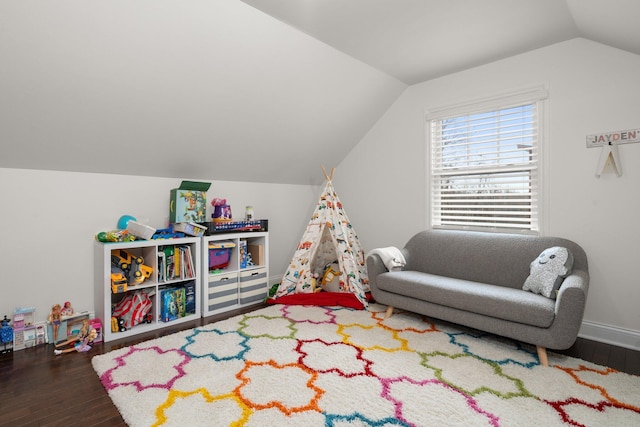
{"x":492,"y":258}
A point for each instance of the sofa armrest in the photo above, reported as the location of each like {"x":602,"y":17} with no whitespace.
{"x":574,"y":289}
{"x":570,"y":306}
{"x":375,"y":266}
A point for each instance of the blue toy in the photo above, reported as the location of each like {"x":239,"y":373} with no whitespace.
{"x":123,"y":222}
{"x":166,"y":233}
{"x":6,"y":335}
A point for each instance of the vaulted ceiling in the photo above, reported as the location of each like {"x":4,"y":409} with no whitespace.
{"x":418,"y":40}
{"x":259,"y":90}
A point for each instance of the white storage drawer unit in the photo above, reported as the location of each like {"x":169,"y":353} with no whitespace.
{"x":223,"y":291}
{"x":253,"y":286}
{"x":237,"y":278}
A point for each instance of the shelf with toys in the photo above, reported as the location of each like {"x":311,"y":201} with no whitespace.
{"x":146,"y":285}
{"x":234,"y":271}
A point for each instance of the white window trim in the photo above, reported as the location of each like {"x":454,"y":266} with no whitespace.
{"x":538,"y":94}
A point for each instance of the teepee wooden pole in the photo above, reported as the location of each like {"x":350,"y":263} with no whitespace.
{"x":327,"y":177}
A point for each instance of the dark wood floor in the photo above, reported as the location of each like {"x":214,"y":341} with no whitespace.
{"x":38,"y":388}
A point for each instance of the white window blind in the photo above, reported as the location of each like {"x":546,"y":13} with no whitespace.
{"x":484,"y":168}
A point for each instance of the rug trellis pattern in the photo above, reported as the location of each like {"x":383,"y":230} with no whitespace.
{"x":318,"y":366}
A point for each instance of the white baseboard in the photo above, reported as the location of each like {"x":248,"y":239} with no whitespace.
{"x":614,"y":335}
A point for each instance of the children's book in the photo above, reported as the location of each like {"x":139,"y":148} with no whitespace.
{"x":162,"y":267}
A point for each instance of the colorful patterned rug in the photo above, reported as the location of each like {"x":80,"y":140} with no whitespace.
{"x":316,"y":366}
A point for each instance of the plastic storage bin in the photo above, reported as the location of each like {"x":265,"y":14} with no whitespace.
{"x":220,"y":254}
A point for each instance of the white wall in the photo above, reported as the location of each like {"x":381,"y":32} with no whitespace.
{"x":592,"y":88}
{"x":49,"y":220}
{"x":213,"y":79}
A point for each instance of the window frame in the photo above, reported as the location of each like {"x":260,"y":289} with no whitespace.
{"x":533,"y":95}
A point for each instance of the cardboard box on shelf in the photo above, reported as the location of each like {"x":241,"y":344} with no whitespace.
{"x":257,"y":253}
{"x":188,"y":203}
{"x":190,"y":228}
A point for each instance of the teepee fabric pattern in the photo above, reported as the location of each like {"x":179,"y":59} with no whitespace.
{"x":328,"y":239}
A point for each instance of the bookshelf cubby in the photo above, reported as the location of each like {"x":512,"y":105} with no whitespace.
{"x":237,"y":284}
{"x":174,"y":272}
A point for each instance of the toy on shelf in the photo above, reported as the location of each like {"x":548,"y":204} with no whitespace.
{"x":190,"y":228}
{"x":140,"y":230}
{"x":237,"y":226}
{"x":242,"y":249}
{"x":67,"y":310}
{"x":167,"y":233}
{"x":221,"y":210}
{"x":123,"y":259}
{"x":127,"y":269}
{"x":172,"y":303}
{"x":188,"y":202}
{"x":139,"y":273}
{"x":55,"y":318}
{"x":129,"y":230}
{"x":123,"y":221}
{"x":117,"y":324}
{"x":135,"y":307}
{"x":118,"y":280}
{"x":115,"y":236}
{"x":246,"y":259}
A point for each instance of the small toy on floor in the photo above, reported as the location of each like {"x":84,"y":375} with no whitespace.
{"x":6,"y":336}
{"x":80,"y":342}
{"x":67,"y":309}
{"x":79,"y":346}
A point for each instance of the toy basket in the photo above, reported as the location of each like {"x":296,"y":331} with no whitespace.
{"x":220,"y":254}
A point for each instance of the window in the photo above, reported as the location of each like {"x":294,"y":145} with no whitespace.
{"x":485,"y":164}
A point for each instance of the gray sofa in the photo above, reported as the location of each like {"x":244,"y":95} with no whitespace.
{"x":475,"y":279}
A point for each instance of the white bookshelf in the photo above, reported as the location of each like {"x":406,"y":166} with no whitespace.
{"x":237,"y":285}
{"x":155,"y":285}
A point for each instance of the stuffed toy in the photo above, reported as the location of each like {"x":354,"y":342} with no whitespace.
{"x":548,"y":271}
{"x":331,"y":278}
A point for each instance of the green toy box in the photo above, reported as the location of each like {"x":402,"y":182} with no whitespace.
{"x":188,"y":203}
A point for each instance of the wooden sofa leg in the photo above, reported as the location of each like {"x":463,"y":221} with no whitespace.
{"x":389,"y":312}
{"x":542,"y":355}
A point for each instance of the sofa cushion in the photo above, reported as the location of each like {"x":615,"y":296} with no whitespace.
{"x":548,"y":271}
{"x":499,"y":302}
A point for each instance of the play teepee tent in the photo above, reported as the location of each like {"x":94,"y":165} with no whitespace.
{"x":328,"y":266}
